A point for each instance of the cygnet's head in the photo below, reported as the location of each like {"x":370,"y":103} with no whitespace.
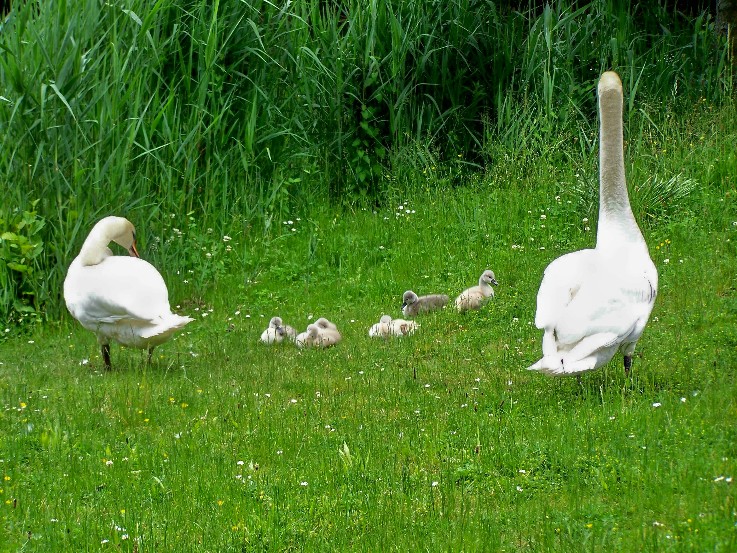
{"x":385,"y":319}
{"x":275,"y":322}
{"x":408,"y":298}
{"x":489,"y":278}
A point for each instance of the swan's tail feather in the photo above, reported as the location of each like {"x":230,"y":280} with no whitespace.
{"x":555,"y":366}
{"x":548,"y":365}
{"x":167,"y":326}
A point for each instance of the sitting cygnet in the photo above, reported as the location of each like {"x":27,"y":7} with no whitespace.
{"x":277,"y":331}
{"x":317,"y":336}
{"x":382,"y":328}
{"x":476,"y":296}
{"x":322,"y":322}
{"x":412,"y":305}
{"x":387,"y":327}
{"x":401,"y":327}
{"x":308,"y":337}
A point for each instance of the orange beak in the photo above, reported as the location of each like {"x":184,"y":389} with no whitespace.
{"x":133,"y":251}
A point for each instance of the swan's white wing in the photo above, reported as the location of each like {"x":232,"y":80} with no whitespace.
{"x":561,"y":282}
{"x":589,"y":305}
{"x":118,"y":289}
{"x":610,"y":301}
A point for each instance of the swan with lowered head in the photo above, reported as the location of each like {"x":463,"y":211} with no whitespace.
{"x":317,"y":336}
{"x":477,"y":296}
{"x":277,"y":331}
{"x":387,"y":327}
{"x":413,"y":305}
{"x":595,"y":302}
{"x":119,"y":298}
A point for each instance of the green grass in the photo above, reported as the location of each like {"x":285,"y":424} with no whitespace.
{"x":440,"y":441}
{"x":254,"y":109}
{"x":317,"y":159}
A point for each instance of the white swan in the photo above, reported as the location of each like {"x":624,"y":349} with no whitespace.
{"x":317,"y":336}
{"x":117,"y":297}
{"x":477,"y":296}
{"x":277,"y":331}
{"x":595,"y":302}
{"x":412,"y":304}
{"x":387,"y":327}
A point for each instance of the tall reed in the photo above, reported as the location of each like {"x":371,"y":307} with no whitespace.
{"x":243,"y":111}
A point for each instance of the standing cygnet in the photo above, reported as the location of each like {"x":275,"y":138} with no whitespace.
{"x":412,"y":305}
{"x":387,"y":327}
{"x":476,"y":296}
{"x":277,"y":331}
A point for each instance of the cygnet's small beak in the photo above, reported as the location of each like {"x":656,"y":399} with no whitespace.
{"x":494,"y":282}
{"x":404,"y":304}
{"x":133,"y":251}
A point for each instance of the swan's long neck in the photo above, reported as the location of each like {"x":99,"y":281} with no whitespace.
{"x":616,"y":222}
{"x":94,"y":249}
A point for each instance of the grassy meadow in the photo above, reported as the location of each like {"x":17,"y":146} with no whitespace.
{"x":438,"y":441}
{"x":316,"y":158}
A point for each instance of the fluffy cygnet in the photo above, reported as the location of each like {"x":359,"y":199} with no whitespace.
{"x":412,"y":305}
{"x":387,"y":327}
{"x":277,"y":331}
{"x":322,"y":322}
{"x":382,"y":328}
{"x":476,"y":296}
{"x":307,"y":338}
{"x":317,"y":336}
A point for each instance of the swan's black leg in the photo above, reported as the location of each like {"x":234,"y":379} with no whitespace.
{"x":150,"y":353}
{"x":106,"y":355}
{"x":627,"y":364}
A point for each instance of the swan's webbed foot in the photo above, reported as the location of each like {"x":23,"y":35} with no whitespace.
{"x":106,"y":355}
{"x":627,"y":364}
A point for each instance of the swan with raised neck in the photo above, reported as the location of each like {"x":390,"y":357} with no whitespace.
{"x":595,"y":302}
{"x":616,"y":221}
